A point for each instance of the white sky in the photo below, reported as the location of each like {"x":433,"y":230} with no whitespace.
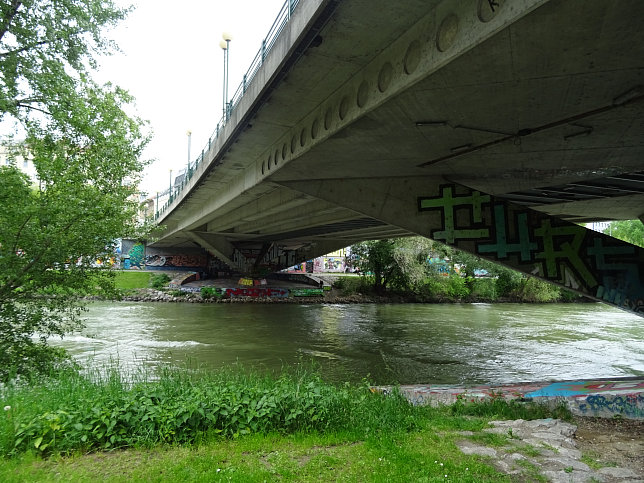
{"x":172,"y":64}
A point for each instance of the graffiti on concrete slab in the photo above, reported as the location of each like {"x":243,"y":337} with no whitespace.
{"x":600,"y":397}
{"x":448,"y":203}
{"x":178,"y":261}
{"x":583,"y":388}
{"x":630,"y":405}
{"x":252,"y":282}
{"x":256,"y":292}
{"x":535,"y":243}
{"x":136,"y":256}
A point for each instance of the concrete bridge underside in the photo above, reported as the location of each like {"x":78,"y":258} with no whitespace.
{"x":489,"y":125}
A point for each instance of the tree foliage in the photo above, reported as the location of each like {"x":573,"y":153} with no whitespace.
{"x":630,"y":231}
{"x":86,"y":151}
{"x":399,"y":263}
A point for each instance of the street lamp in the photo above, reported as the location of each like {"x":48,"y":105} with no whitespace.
{"x":225,"y":45}
{"x":170,"y":189}
{"x":189,"y":134}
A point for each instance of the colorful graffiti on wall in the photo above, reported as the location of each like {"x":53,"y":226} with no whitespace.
{"x":600,"y":397}
{"x":553,"y":249}
{"x":175,"y":261}
{"x":256,"y":292}
{"x":136,"y":256}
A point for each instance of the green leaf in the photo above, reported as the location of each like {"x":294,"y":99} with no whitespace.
{"x":37,"y":442}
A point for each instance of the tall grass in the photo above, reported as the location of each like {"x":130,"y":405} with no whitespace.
{"x":105,"y":410}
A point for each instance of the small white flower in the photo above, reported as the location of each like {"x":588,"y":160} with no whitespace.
{"x":218,"y":470}
{"x":6,"y":408}
{"x":441,"y":464}
{"x":435,"y":461}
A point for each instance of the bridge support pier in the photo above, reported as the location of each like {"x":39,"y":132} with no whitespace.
{"x":590,"y":263}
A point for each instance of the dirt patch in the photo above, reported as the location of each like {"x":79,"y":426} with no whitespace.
{"x":612,"y":441}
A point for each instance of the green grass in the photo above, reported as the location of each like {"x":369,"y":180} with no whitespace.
{"x":131,"y":279}
{"x":234,"y":425}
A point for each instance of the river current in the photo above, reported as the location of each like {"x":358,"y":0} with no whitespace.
{"x":390,"y":343}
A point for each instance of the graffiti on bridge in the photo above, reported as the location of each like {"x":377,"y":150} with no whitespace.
{"x":556,"y":250}
{"x":256,"y":292}
{"x":175,"y":261}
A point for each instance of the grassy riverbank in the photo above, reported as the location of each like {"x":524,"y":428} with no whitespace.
{"x":194,"y":425}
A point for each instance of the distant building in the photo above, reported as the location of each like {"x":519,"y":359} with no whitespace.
{"x":8,"y":157}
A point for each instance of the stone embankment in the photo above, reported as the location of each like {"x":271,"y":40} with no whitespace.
{"x":331,"y":297}
{"x":547,"y":448}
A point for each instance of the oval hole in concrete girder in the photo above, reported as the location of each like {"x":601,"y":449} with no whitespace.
{"x":328,"y":119}
{"x":315,"y":128}
{"x":412,"y":57}
{"x":363,"y":94}
{"x":344,"y":107}
{"x":385,"y":76}
{"x":447,"y":32}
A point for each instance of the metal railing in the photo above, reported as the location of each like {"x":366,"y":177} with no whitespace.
{"x":283,"y":17}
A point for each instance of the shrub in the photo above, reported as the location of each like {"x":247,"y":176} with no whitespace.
{"x":508,"y":283}
{"x":210,"y":292}
{"x":536,"y":290}
{"x":485,"y":288}
{"x":349,"y":285}
{"x":457,"y":287}
{"x":75,"y":412}
{"x":159,"y":281}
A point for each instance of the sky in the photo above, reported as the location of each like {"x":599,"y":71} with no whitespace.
{"x":171,"y":62}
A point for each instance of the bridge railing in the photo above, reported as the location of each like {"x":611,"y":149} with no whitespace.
{"x":283,"y":17}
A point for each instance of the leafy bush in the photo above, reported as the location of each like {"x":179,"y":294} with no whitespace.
{"x":508,"y":283}
{"x":457,"y":287}
{"x":349,"y":285}
{"x":75,"y":412}
{"x":210,"y":292}
{"x":159,"y":281}
{"x":536,"y":290}
{"x":452,"y":286}
{"x":485,"y":288}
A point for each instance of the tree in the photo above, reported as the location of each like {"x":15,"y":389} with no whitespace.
{"x":399,"y":263}
{"x":630,"y":231}
{"x":86,"y":151}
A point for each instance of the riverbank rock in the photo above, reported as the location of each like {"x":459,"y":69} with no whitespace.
{"x":550,"y":448}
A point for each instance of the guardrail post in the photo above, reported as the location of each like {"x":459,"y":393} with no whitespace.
{"x":244,"y":85}
{"x":263,"y":50}
{"x":290,"y":8}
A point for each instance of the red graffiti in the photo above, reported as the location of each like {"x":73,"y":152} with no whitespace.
{"x":256,"y":292}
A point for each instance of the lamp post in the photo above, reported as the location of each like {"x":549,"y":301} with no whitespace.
{"x":189,"y":134}
{"x":225,"y":46}
{"x":170,"y":189}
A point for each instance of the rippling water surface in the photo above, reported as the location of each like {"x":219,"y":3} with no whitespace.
{"x":406,"y":343}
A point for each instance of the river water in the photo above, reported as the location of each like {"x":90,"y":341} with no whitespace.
{"x":397,"y":343}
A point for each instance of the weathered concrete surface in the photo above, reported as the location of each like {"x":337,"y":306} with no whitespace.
{"x":546,"y":447}
{"x":374,"y":119}
{"x":622,"y":397}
